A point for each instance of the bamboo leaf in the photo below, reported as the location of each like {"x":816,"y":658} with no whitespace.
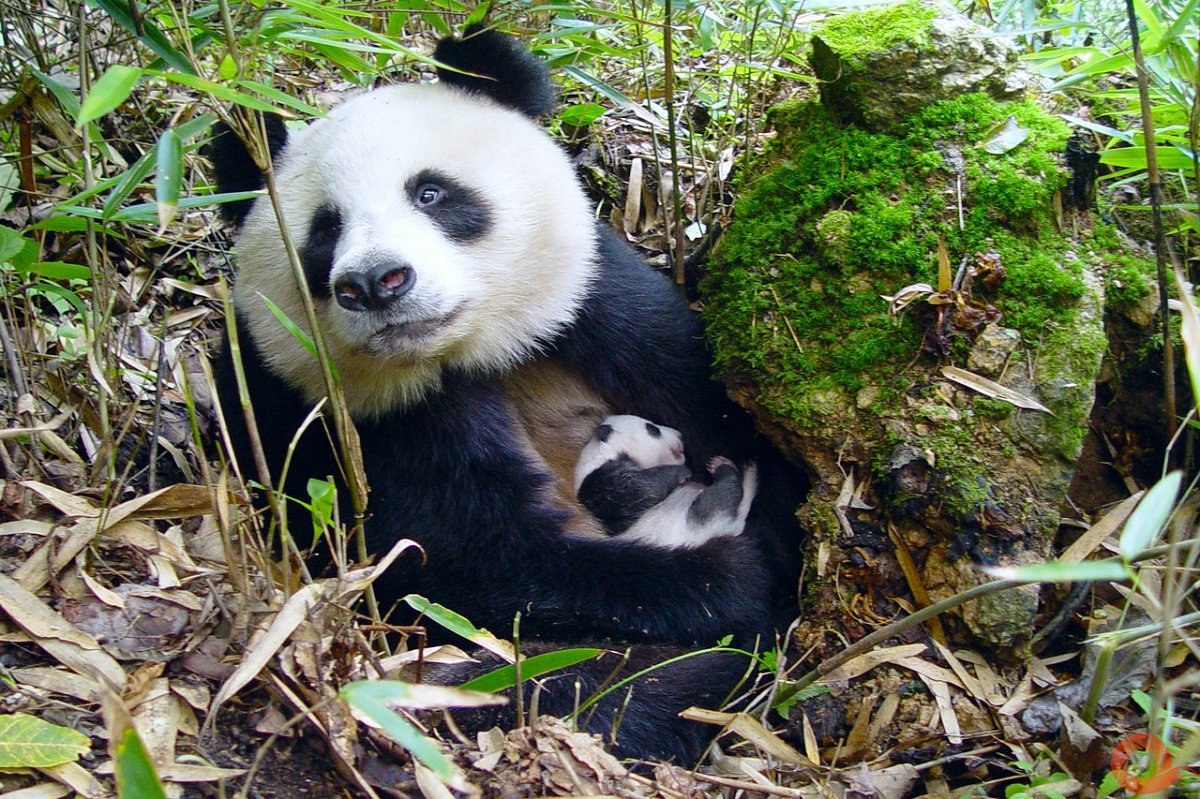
{"x":1190,"y":331}
{"x":1061,"y":572}
{"x":109,"y":92}
{"x":506,"y":676}
{"x":370,"y":698}
{"x":136,"y":777}
{"x":460,"y":625}
{"x":146,"y":32}
{"x":169,"y":177}
{"x":1151,"y":514}
{"x":29,"y":742}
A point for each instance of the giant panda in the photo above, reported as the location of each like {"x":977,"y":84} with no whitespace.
{"x":482,"y":324}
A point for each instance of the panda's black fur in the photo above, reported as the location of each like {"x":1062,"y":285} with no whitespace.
{"x":449,"y":467}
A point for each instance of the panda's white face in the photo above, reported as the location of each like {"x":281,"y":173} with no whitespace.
{"x":435,"y":228}
{"x":643,"y":442}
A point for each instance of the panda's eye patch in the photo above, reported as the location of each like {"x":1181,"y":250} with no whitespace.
{"x":316,"y":254}
{"x":461,"y":212}
{"x":653,"y":431}
{"x":603,"y":432}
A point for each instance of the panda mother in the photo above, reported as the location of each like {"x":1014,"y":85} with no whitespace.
{"x":482,"y":324}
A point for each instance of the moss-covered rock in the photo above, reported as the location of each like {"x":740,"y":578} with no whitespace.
{"x":839,"y":219}
{"x":880,"y":66}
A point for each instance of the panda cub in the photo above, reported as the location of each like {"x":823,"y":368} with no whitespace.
{"x":631,"y":476}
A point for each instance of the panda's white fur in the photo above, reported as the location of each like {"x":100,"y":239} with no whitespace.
{"x":669,"y":523}
{"x":459,"y":311}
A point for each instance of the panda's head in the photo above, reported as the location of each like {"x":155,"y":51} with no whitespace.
{"x":438,"y":227}
{"x":633,"y":438}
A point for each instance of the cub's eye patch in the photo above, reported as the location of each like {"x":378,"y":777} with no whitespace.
{"x":603,"y":432}
{"x":653,"y":431}
{"x":461,"y":212}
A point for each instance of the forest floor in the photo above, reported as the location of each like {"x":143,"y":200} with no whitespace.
{"x":124,"y":597}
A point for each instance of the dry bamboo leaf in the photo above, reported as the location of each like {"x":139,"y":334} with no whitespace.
{"x":968,"y":681}
{"x":915,"y":579}
{"x":27,"y":527}
{"x":77,"y":778}
{"x":67,"y":644}
{"x":196,"y":695}
{"x":67,"y":504}
{"x":1095,"y":535}
{"x":58,"y":681}
{"x":633,"y":198}
{"x":1021,"y":696}
{"x":144,"y":537}
{"x":887,"y":712}
{"x":64,"y":547}
{"x":191,"y":772}
{"x":990,"y":388}
{"x":47,"y":790}
{"x":101,"y":592}
{"x":172,"y":502}
{"x":858,"y":738}
{"x":156,"y":718}
{"x":259,"y":653}
{"x":752,"y":730}
{"x":24,"y":432}
{"x":812,"y":749}
{"x":856,"y":667}
{"x":941,"y":695}
{"x":930,"y":671}
{"x":945,"y":274}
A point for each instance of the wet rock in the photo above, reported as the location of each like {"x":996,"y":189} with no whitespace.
{"x":992,"y":349}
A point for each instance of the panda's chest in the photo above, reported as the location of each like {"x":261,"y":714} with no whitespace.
{"x":557,"y":414}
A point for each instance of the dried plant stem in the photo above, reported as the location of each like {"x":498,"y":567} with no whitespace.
{"x":1161,"y":244}
{"x":98,"y":322}
{"x":677,"y":251}
{"x":345,"y":432}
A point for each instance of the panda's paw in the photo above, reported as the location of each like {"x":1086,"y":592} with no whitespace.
{"x":719,"y":462}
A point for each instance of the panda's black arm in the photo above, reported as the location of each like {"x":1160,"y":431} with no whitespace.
{"x":458,"y":482}
{"x":638,"y":344}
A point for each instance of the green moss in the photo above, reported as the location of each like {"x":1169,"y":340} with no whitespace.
{"x":995,"y":409}
{"x":837,"y":216}
{"x":1076,"y":357}
{"x":854,"y":37}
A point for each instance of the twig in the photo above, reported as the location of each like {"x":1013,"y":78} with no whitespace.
{"x":1161,"y":244}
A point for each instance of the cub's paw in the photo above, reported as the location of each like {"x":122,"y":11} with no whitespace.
{"x":719,"y":462}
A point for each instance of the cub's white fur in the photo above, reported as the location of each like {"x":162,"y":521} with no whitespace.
{"x":629,"y":437}
{"x":470,"y":305}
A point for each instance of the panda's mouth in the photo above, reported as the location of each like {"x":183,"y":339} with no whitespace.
{"x":400,"y":338}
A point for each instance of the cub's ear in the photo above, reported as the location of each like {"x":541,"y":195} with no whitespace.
{"x":509,"y":73}
{"x":234,"y":168}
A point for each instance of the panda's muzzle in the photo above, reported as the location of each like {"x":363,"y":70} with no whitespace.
{"x":376,"y":289}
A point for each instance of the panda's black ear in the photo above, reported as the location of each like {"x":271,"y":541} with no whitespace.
{"x":509,"y":73}
{"x":234,"y":168}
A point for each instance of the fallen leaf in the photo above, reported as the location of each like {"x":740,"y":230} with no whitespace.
{"x":992,"y":389}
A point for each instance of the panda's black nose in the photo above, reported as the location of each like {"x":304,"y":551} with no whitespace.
{"x":375,"y":289}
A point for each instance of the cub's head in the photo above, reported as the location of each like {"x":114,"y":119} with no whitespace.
{"x":633,"y":438}
{"x":438,"y":227}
